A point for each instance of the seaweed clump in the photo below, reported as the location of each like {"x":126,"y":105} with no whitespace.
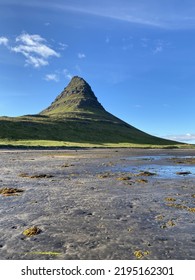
{"x":140,"y":254}
{"x":36,"y":176}
{"x":125,"y":178}
{"x":32,"y":231}
{"x":146,"y":173}
{"x":10,"y":191}
{"x":184,"y":173}
{"x":180,"y":206}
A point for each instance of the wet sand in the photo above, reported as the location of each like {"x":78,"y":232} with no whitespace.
{"x":97,"y":204}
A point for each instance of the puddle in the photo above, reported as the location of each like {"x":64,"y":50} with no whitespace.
{"x":160,"y":157}
{"x":148,"y":157}
{"x":164,"y":170}
{"x":170,"y":171}
{"x":167,"y":171}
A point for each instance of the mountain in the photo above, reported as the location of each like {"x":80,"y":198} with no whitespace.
{"x":77,"y":96}
{"x":76,"y":116}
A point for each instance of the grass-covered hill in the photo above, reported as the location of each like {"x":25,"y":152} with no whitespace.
{"x":74,"y":118}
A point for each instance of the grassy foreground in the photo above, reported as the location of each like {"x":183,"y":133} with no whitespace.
{"x":62,"y":144}
{"x":79,"y":132}
{"x":78,"y":129}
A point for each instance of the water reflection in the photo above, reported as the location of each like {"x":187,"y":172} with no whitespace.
{"x":170,"y":168}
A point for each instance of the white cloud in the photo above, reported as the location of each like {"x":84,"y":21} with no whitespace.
{"x":52,"y":77}
{"x":35,"y":49}
{"x":188,"y":137}
{"x":63,"y":46}
{"x":4,"y":41}
{"x":81,"y":55}
{"x":67,"y":74}
{"x":58,"y":75}
{"x":159,"y":47}
{"x":36,"y":61}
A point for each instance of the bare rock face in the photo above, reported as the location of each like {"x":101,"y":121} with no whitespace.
{"x":77,"y":95}
{"x":77,"y":86}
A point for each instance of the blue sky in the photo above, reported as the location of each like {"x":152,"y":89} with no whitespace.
{"x":137,"y":55}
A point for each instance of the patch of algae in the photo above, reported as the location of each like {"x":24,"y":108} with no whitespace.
{"x":146,"y":173}
{"x":125,"y":178}
{"x":176,"y":205}
{"x":10,"y":191}
{"x":32,"y":231}
{"x":142,"y":181}
{"x":37,"y":176}
{"x":170,"y":223}
{"x":191,"y":209}
{"x":141,"y":254}
{"x":159,"y":217}
{"x":105,"y":175}
{"x":170,"y":199}
{"x":45,"y":253}
{"x":180,"y":206}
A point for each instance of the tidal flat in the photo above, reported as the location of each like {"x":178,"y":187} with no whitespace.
{"x":101,"y":204}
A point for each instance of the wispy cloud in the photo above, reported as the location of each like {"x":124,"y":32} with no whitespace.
{"x":4,"y":41}
{"x":62,"y":46}
{"x":158,"y":48}
{"x":123,"y":10}
{"x":67,"y":74}
{"x":52,"y":77}
{"x":35,"y":49}
{"x":47,"y":23}
{"x":81,"y":55}
{"x":161,"y":13}
{"x":188,"y":137}
{"x":166,"y":14}
{"x":58,"y":75}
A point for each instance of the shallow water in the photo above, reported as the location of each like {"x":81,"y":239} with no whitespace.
{"x":166,"y":170}
{"x":149,"y":158}
{"x":159,"y":157}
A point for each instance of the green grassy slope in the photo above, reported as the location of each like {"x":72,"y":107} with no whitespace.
{"x":74,"y":130}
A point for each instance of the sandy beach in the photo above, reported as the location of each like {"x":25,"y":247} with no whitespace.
{"x":97,"y":204}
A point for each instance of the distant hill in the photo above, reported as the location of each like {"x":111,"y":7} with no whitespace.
{"x":76,"y":116}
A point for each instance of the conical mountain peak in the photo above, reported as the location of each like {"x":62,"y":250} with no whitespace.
{"x":77,"y":96}
{"x":77,"y":86}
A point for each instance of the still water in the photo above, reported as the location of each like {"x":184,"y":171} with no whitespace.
{"x":162,"y":165}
